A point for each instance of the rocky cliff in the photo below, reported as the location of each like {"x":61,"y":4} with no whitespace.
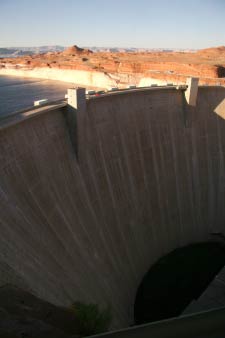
{"x":208,"y":65}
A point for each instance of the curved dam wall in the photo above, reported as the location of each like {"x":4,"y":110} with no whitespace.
{"x":147,"y":176}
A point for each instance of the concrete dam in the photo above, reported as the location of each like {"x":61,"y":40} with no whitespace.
{"x":92,"y":196}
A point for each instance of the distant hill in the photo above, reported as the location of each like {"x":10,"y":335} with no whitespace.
{"x":19,"y":51}
{"x":213,"y":50}
{"x":136,"y":50}
{"x":12,"y":52}
{"x":43,"y":49}
{"x":7,"y":51}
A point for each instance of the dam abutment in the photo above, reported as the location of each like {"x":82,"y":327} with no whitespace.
{"x":89,"y":227}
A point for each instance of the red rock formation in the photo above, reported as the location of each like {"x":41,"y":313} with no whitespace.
{"x":207,"y":63}
{"x":216,"y":50}
{"x":75,"y":50}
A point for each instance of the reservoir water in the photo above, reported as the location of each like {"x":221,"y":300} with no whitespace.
{"x":17,"y":93}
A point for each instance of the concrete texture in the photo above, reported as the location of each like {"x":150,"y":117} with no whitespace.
{"x":192,"y":91}
{"x":149,"y":178}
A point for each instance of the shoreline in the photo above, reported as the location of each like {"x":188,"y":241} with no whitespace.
{"x":78,"y":77}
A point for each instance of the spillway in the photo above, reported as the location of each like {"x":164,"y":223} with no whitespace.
{"x":85,"y":211}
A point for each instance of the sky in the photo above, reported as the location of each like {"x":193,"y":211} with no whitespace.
{"x":191,"y":24}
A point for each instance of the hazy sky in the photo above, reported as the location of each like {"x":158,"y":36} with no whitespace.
{"x":122,"y":23}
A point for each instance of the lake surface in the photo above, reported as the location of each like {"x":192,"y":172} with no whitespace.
{"x":17,"y":93}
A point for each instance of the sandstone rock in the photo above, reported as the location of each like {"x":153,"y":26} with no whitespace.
{"x":73,"y":50}
{"x":216,"y":50}
{"x":207,"y":64}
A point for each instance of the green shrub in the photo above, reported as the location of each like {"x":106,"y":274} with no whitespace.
{"x":90,"y":319}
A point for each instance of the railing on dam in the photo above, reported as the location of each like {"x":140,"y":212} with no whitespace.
{"x":210,"y":324}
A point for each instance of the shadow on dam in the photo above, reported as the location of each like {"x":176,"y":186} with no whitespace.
{"x":176,"y":280}
{"x":147,"y":177}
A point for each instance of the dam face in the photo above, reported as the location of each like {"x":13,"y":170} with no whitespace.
{"x":146,"y":177}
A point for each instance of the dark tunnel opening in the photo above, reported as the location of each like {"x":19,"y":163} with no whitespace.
{"x":177,"y":279}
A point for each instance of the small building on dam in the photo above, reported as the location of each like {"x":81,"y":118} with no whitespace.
{"x":93,"y":193}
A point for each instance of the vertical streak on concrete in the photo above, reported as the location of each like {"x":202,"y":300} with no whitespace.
{"x":159,"y":196}
{"x":144,"y":193}
{"x":123,"y":240}
{"x":133,"y":193}
{"x":221,"y":180}
{"x":211,"y":193}
{"x":187,"y":146}
{"x":172,"y":135}
{"x":196,"y":183}
{"x":207,"y":179}
{"x":130,"y":176}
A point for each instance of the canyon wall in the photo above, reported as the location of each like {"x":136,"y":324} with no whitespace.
{"x":195,"y":69}
{"x":163,"y":79}
{"x":84,"y":220}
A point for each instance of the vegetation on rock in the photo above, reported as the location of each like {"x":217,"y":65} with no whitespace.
{"x":90,"y":319}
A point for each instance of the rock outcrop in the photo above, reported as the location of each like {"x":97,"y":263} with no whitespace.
{"x":207,"y":64}
{"x":215,"y":51}
{"x":74,"y":50}
{"x":24,"y":315}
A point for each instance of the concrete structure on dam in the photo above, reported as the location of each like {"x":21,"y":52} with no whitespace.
{"x":92,"y":195}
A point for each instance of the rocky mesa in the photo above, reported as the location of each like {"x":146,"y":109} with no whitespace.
{"x":102,"y":69}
